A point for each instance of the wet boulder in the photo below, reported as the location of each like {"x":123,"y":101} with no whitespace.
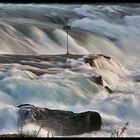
{"x":60,"y":122}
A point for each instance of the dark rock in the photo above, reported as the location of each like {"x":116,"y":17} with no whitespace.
{"x":99,"y":80}
{"x":108,"y":89}
{"x":105,"y":56}
{"x":90,"y":61}
{"x":60,"y":122}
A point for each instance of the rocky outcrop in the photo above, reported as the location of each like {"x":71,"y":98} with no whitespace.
{"x":60,"y":122}
{"x":108,"y":89}
{"x":90,"y":59}
{"x":99,"y":80}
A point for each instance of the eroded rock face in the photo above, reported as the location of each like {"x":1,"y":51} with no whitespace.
{"x":99,"y":80}
{"x":61,"y":122}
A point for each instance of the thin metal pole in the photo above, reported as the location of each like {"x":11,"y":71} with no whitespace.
{"x":66,"y":27}
{"x":67,"y":43}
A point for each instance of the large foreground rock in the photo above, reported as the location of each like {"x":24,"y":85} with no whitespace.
{"x":60,"y":122}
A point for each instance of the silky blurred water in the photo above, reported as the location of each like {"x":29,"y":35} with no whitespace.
{"x":112,"y":30}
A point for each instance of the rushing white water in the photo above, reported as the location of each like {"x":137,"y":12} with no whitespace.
{"x":110,"y":30}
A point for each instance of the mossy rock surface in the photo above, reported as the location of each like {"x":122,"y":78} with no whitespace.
{"x":17,"y":135}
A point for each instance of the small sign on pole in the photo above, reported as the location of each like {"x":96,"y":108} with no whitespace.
{"x":66,"y":28}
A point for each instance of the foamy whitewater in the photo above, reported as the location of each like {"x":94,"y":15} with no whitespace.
{"x":33,"y":29}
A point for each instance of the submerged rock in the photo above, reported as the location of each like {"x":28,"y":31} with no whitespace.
{"x":60,"y":122}
{"x":99,"y":80}
{"x":108,"y":89}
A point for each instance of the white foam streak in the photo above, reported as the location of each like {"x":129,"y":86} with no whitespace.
{"x":8,"y":119}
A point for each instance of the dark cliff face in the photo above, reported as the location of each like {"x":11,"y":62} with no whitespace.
{"x":62,"y":123}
